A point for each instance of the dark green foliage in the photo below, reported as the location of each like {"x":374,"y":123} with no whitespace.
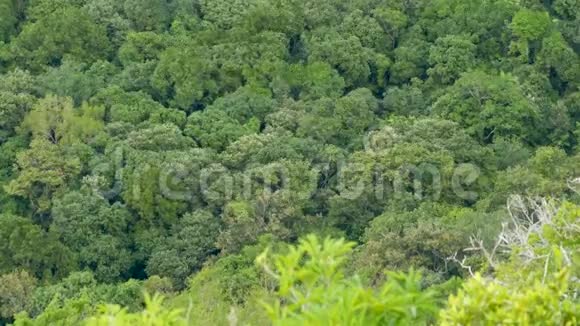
{"x":79,"y":81}
{"x":26,"y":246}
{"x":489,"y":106}
{"x":8,"y":19}
{"x":449,"y":57}
{"x":17,"y":289}
{"x":95,"y":232}
{"x":64,"y":31}
{"x":16,"y":99}
{"x":162,"y":145}
{"x":179,"y":255}
{"x":150,"y":15}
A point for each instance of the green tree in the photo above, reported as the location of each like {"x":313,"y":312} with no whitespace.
{"x":36,"y":9}
{"x":17,"y":90}
{"x":410,"y":60}
{"x":268,"y":148}
{"x":176,"y":139}
{"x":557,"y":55}
{"x":95,"y":232}
{"x":345,"y":119}
{"x":16,"y":291}
{"x":71,"y":312}
{"x":546,"y":172}
{"x":489,"y":302}
{"x":568,"y":9}
{"x":43,"y":170}
{"x":18,"y":81}
{"x":213,"y":128}
{"x":543,"y":286}
{"x":229,"y":288}
{"x":424,"y":238}
{"x":267,"y":199}
{"x":489,"y":106}
{"x":485,"y":20}
{"x":393,"y":21}
{"x":13,"y":108}
{"x":126,"y":107}
{"x":344,"y":52}
{"x":246,"y":103}
{"x":186,"y":78}
{"x":314,"y":290}
{"x":109,"y":14}
{"x":309,"y":82}
{"x":226,"y":14}
{"x":528,"y":26}
{"x":139,"y":54}
{"x":408,"y":100}
{"x":65,"y":31}
{"x":162,"y":182}
{"x":141,"y":47}
{"x":195,"y":72}
{"x":368,"y":29}
{"x":396,"y":174}
{"x":192,"y":242}
{"x":153,"y":314}
{"x":8,"y":19}
{"x":54,"y":301}
{"x":26,"y":246}
{"x":449,"y":57}
{"x":55,"y":120}
{"x":148,"y":15}
{"x":77,"y":80}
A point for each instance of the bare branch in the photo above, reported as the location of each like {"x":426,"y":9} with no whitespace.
{"x":528,"y":218}
{"x":461,"y":263}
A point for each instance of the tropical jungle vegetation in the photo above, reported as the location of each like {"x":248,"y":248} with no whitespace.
{"x":289,"y":162}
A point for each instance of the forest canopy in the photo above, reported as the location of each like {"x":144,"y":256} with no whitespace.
{"x":289,"y":162}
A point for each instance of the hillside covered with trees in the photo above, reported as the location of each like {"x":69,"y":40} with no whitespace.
{"x":289,"y":162}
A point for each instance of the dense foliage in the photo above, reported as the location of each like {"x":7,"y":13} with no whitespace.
{"x":189,"y":162}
